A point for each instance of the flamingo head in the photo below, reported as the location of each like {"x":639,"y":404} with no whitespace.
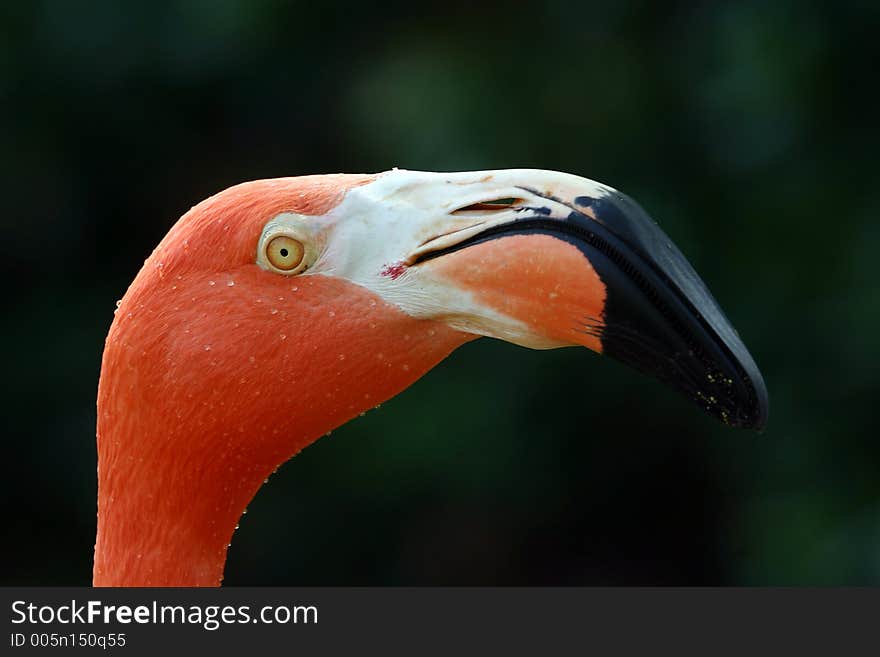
{"x":279,"y":309}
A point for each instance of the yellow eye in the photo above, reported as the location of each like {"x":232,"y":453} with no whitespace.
{"x":285,"y":253}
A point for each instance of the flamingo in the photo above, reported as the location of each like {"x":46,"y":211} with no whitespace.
{"x":279,"y":309}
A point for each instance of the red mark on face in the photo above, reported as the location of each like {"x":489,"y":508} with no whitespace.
{"x":394,"y":271}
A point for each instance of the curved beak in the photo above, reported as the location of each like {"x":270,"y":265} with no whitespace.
{"x":546,"y":259}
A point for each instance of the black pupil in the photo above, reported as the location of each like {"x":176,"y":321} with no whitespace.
{"x":283,"y":253}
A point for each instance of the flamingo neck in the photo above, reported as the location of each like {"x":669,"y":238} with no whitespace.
{"x":169,"y":524}
{"x":208,"y":383}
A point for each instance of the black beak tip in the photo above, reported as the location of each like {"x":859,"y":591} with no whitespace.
{"x":661,"y":318}
{"x":741,"y":403}
{"x":753,"y":410}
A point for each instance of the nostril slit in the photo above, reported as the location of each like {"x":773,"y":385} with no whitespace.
{"x":451,"y":232}
{"x":495,"y":205}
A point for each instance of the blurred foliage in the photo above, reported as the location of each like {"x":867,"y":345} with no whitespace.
{"x":748,"y":129}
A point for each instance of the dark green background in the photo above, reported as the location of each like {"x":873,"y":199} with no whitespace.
{"x":749,"y":130}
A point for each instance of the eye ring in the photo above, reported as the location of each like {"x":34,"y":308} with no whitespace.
{"x":286,"y":254}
